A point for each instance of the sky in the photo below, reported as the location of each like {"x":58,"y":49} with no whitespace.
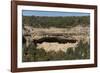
{"x":51,"y":13}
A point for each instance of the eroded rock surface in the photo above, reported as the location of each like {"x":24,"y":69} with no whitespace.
{"x":56,"y":38}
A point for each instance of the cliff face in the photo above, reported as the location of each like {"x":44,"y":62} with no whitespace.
{"x":61,"y":38}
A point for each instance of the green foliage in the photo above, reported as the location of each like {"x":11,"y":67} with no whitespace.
{"x":82,"y":51}
{"x":69,"y":54}
{"x":61,"y":22}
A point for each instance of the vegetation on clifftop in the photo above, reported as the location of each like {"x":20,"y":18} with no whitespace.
{"x":59,"y":22}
